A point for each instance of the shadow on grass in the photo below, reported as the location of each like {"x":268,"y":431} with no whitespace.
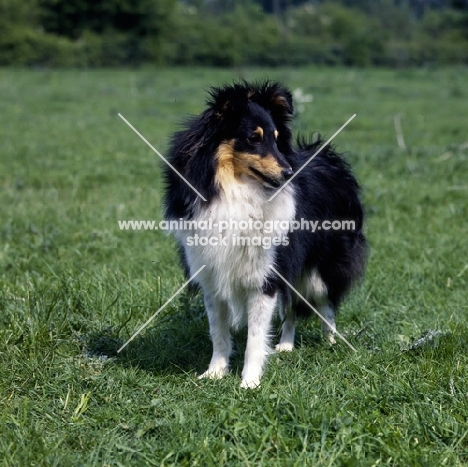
{"x":179,"y":343}
{"x":175,"y":342}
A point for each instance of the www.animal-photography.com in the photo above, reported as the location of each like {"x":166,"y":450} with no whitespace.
{"x":234,"y":233}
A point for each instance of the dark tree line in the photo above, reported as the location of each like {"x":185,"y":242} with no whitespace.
{"x":416,"y":6}
{"x":86,"y":33}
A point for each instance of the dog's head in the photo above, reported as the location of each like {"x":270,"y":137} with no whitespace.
{"x":256,"y":139}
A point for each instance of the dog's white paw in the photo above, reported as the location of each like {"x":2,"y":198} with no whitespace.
{"x":250,"y":383}
{"x":214,"y":373}
{"x":331,"y":338}
{"x":284,"y":347}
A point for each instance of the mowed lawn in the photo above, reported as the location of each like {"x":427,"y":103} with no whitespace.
{"x":74,"y":287}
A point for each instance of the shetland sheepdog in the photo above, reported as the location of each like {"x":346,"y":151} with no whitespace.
{"x":246,"y":198}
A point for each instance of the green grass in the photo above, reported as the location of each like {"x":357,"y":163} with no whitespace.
{"x":73,"y":287}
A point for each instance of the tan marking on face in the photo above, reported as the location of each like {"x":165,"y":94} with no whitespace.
{"x":232,"y":165}
{"x":276,"y":134}
{"x":225,"y":170}
{"x":259,"y":131}
{"x":268,"y":166}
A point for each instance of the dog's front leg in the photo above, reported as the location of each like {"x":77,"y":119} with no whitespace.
{"x":288,"y":316}
{"x":329,"y":327}
{"x":260,"y":308}
{"x":218,"y":317}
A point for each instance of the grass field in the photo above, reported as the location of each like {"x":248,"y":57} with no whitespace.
{"x":73,"y":287}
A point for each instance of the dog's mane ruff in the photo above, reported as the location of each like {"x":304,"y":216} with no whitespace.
{"x":199,"y":132}
{"x":191,"y":155}
{"x":311,"y":141}
{"x":307,"y":146}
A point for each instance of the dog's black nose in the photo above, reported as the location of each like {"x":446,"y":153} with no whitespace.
{"x":287,"y":174}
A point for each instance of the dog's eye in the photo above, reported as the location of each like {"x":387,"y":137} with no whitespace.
{"x":255,"y":138}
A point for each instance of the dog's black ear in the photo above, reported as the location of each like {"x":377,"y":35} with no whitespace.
{"x":228,"y":100}
{"x":281,"y":101}
{"x":274,"y":97}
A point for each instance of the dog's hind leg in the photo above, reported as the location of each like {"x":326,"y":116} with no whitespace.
{"x":260,"y":308}
{"x":218,"y":317}
{"x":328,"y":325}
{"x":288,"y":317}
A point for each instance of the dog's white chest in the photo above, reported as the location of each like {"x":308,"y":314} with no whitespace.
{"x":236,"y":236}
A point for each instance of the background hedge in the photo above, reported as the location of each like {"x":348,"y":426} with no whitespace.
{"x":84,"y":33}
